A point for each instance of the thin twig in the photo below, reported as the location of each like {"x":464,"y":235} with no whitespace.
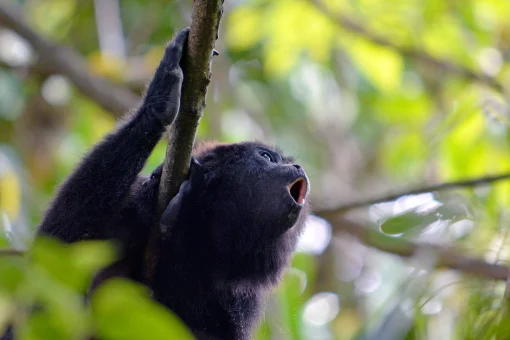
{"x":469,"y":183}
{"x":410,"y":52}
{"x":447,"y":257}
{"x":58,"y":59}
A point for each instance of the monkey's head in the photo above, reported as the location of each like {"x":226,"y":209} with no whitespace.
{"x":249,"y":204}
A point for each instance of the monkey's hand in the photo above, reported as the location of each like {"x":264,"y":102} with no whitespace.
{"x":189,"y":191}
{"x":163,"y":95}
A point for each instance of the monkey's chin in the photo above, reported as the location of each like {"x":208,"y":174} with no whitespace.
{"x":293,"y":216}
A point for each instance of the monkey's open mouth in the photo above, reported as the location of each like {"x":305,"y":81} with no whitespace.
{"x":297,"y":190}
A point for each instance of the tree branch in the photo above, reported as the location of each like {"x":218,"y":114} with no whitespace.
{"x":65,"y":61}
{"x":438,"y":187}
{"x":197,"y":76}
{"x":410,"y":52}
{"x":446,"y":257}
{"x":11,"y":252}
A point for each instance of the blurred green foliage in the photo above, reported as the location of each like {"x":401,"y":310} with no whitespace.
{"x":43,"y":291}
{"x":364,"y":118}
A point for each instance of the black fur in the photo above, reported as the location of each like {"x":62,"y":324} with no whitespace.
{"x":230,"y":238}
{"x":228,"y":234}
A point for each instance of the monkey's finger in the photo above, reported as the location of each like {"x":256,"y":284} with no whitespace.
{"x":177,"y":45}
{"x":195,"y":168}
{"x":170,"y":214}
{"x":194,"y":162}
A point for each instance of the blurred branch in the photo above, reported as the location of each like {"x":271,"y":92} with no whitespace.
{"x":438,"y":187}
{"x":445,"y":257}
{"x":11,"y":252}
{"x":410,"y":52}
{"x":205,"y":23}
{"x":65,"y":61}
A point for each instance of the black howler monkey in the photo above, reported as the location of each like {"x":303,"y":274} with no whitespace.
{"x":229,"y":232}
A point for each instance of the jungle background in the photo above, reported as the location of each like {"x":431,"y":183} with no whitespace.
{"x":398,"y":110}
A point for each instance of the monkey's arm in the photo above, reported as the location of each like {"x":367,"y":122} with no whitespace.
{"x":97,"y":187}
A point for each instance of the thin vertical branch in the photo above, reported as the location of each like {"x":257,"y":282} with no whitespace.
{"x":197,"y":76}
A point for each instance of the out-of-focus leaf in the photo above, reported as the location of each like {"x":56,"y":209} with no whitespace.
{"x":451,"y":211}
{"x":444,"y":38}
{"x":11,"y":96}
{"x":90,"y":122}
{"x":380,"y":65}
{"x":11,"y":273}
{"x":156,"y":158}
{"x":43,"y":325}
{"x":502,"y":193}
{"x":244,"y":25}
{"x":51,"y":16}
{"x":415,"y":220}
{"x":4,"y":312}
{"x":308,"y":265}
{"x":290,"y":298}
{"x":264,"y":331}
{"x":54,"y":308}
{"x":10,"y":193}
{"x":108,"y":65}
{"x":280,"y":25}
{"x":401,"y":108}
{"x":4,"y":242}
{"x":491,"y":13}
{"x":469,"y":151}
{"x":404,"y":222}
{"x":122,"y":310}
{"x":347,"y":323}
{"x":73,"y":265}
{"x":403,"y":154}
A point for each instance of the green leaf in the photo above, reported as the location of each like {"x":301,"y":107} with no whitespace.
{"x":307,"y":264}
{"x":406,"y":221}
{"x":416,"y":221}
{"x":381,"y":66}
{"x":443,"y":37}
{"x":403,"y":154}
{"x":60,"y":311}
{"x":44,"y":325}
{"x":122,"y":310}
{"x":243,"y":27}
{"x":403,"y":109}
{"x":73,"y":265}
{"x":291,"y":299}
{"x":11,"y":273}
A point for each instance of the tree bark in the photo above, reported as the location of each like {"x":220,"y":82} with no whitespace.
{"x":197,"y":76}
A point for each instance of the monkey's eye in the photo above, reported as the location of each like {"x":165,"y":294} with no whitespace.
{"x":267,"y":156}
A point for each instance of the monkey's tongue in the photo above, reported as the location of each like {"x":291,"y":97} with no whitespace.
{"x":297,"y":190}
